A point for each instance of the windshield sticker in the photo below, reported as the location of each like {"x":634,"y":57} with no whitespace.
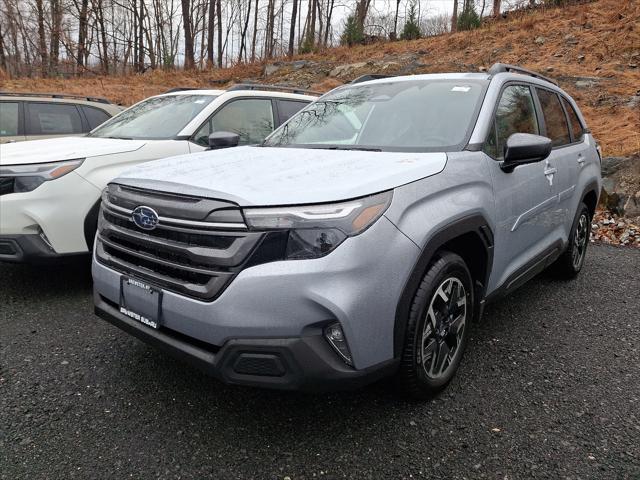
{"x":198,"y":101}
{"x":461,"y":89}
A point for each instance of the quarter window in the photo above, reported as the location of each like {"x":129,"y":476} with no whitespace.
{"x":577,"y":131}
{"x":515,"y":114}
{"x":554,"y":118}
{"x":95,"y":116}
{"x":9,"y":119}
{"x":53,"y":119}
{"x":252,"y":119}
{"x":288,"y":108}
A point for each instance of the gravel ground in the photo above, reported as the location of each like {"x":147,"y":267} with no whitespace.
{"x":549,"y":388}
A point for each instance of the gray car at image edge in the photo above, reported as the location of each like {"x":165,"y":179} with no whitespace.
{"x":360,"y":240}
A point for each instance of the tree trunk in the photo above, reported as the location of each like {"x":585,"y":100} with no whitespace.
{"x":268,"y":38}
{"x":210,"y":32}
{"x":496,"y":7}
{"x":292,"y":31}
{"x":141,"y":37}
{"x":219,"y":13}
{"x":454,"y":17}
{"x":395,"y":22}
{"x":330,"y":4}
{"x":255,"y":32}
{"x":362,"y":9}
{"x":3,"y":56}
{"x":82,"y":33}
{"x":56,"y":31}
{"x":149,"y":38}
{"x":104,"y":56}
{"x":189,"y":62}
{"x":44,"y":58}
{"x":135,"y":43}
{"x":243,"y":36}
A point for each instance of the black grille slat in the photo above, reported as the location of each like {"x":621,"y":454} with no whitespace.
{"x":190,"y":259}
{"x":193,"y":239}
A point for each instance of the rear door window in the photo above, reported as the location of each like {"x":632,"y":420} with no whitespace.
{"x":554,"y":117}
{"x":288,"y":108}
{"x":251,"y":118}
{"x":577,"y":130}
{"x":515,"y":114}
{"x":52,"y":119}
{"x":95,"y":116}
{"x":9,"y":119}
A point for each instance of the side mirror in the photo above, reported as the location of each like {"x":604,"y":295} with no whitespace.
{"x":223,"y":140}
{"x":522,"y":148}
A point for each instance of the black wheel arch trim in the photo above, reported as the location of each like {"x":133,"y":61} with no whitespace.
{"x":475,"y":223}
{"x":91,"y":224}
{"x":592,"y":186}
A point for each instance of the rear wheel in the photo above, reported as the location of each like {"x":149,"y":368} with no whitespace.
{"x":438,"y":327}
{"x":571,"y":261}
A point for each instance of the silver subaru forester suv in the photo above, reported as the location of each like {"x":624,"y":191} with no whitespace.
{"x":361,"y":239}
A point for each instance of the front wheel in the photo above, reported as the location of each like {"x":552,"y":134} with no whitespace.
{"x":438,"y":327}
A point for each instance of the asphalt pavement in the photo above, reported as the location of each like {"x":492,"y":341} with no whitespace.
{"x":549,"y":388}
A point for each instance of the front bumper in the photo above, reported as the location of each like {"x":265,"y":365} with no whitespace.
{"x":57,"y":208}
{"x":29,"y":248}
{"x":357,"y":285}
{"x":304,"y":363}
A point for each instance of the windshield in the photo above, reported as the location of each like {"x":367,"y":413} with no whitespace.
{"x":414,"y":115}
{"x":155,"y":118}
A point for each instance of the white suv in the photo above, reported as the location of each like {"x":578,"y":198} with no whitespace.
{"x":50,"y":189}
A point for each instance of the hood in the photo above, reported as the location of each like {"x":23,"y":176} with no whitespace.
{"x":264,"y":176}
{"x":65,"y":148}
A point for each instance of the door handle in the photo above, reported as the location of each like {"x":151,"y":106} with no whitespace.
{"x":549,"y":172}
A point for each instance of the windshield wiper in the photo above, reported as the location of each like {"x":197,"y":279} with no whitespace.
{"x":321,"y":146}
{"x":121,"y":138}
{"x":350,"y":147}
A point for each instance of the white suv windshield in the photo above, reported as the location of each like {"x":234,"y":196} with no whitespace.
{"x":414,"y":115}
{"x":155,"y":118}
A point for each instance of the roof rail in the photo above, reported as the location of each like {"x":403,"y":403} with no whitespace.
{"x":370,"y":76}
{"x":180,"y":89}
{"x":504,"y":67}
{"x":55,"y":95}
{"x":281,"y":88}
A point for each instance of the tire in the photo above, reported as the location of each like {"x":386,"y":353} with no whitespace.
{"x":428,"y":364}
{"x":569,"y":264}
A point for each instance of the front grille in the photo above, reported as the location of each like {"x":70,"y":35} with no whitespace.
{"x":196,"y":251}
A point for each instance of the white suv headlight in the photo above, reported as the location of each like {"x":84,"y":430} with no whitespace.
{"x":316,"y":230}
{"x":25,"y":178}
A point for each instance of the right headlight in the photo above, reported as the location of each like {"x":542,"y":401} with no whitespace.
{"x":25,"y":178}
{"x":316,"y":230}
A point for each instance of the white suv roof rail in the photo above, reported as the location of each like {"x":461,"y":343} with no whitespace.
{"x":55,"y":95}
{"x":276,"y":88}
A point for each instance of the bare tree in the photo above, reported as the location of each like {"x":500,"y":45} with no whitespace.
{"x":454,"y":17}
{"x":189,"y":60}
{"x":496,"y":7}
{"x":243,"y":35}
{"x":292,"y":28}
{"x":210,"y":32}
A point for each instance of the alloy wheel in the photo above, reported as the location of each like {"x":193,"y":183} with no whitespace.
{"x":443,"y":328}
{"x":580,"y":241}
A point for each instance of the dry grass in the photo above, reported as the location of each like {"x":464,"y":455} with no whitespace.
{"x":599,"y":39}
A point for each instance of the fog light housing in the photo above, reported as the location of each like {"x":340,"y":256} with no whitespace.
{"x":335,"y":336}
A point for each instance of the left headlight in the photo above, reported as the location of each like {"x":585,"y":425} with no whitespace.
{"x":316,"y":230}
{"x":25,"y":178}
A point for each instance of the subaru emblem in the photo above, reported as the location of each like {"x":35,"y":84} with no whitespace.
{"x":145,"y":217}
